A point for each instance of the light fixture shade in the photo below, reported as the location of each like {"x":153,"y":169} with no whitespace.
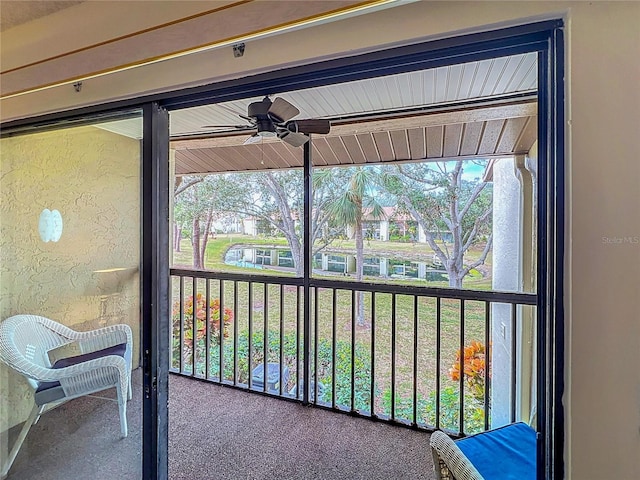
{"x":50,"y":225}
{"x":110,"y":281}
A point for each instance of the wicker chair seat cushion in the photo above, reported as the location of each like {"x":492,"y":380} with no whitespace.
{"x":506,"y":453}
{"x":52,"y":391}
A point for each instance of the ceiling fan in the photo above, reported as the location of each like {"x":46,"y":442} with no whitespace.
{"x":274,"y":119}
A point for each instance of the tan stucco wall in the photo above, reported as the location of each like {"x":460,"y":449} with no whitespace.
{"x":602,"y":184}
{"x":93,"y":178}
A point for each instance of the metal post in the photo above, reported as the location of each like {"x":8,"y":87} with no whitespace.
{"x":307,"y":271}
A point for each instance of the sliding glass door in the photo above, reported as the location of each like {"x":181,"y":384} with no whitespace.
{"x":71,"y":377}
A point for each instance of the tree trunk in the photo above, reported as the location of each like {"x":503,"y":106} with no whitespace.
{"x":359,"y":268}
{"x":205,"y":237}
{"x":177,"y":236}
{"x":297,"y":253}
{"x":195,"y":243}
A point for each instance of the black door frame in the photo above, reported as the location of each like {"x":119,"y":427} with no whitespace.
{"x":546,"y":38}
{"x":155,"y":290}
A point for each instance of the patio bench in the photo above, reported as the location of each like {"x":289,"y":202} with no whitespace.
{"x":506,"y":453}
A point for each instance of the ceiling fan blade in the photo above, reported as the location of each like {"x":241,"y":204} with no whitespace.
{"x":281,"y":110}
{"x":238,"y":127}
{"x":312,"y":125}
{"x":293,"y":138}
{"x":252,"y":139}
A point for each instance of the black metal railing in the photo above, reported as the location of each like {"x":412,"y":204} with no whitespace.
{"x":411,"y":355}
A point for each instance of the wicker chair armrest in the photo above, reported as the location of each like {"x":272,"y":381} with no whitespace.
{"x":90,"y":366}
{"x":101,"y":338}
{"x":449,"y":461}
{"x":94,"y":374}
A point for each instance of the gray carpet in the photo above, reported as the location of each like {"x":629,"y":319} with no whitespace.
{"x":80,"y":440}
{"x":221,"y":433}
{"x":237,"y":435}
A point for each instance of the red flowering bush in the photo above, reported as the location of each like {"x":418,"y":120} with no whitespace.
{"x":474,"y":369}
{"x":200,"y":307}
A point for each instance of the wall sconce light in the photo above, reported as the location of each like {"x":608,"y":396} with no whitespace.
{"x":50,"y":225}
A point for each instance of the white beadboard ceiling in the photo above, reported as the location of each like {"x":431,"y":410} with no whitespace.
{"x":469,"y":131}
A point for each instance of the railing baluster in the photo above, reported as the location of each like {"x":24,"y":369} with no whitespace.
{"x":353,"y":350}
{"x":281,"y":337}
{"x":207,"y":327}
{"x":393,"y":356}
{"x":333,"y":348}
{"x":415,"y":360}
{"x":250,"y":340}
{"x":235,"y":332}
{"x":438,"y":356}
{"x":181,"y":356}
{"x":514,"y":354}
{"x":306,"y":338}
{"x":461,"y":366}
{"x":315,"y":345}
{"x":221,"y":364}
{"x":298,"y":305}
{"x":487,"y":358}
{"x":373,"y":353}
{"x":194,"y":331}
{"x":172,"y":338}
{"x":265,"y":336}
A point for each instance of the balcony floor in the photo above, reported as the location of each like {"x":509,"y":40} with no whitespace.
{"x":222,"y":433}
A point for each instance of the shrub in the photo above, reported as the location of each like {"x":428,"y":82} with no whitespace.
{"x":362,"y":375}
{"x":404,"y":406}
{"x":200,"y":306}
{"x":449,"y":409}
{"x":473,"y":370}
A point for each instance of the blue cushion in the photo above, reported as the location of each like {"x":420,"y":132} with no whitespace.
{"x":506,"y":453}
{"x":48,"y":392}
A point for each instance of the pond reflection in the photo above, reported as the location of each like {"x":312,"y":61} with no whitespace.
{"x":335,"y":263}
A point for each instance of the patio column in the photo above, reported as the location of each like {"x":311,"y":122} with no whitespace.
{"x":384,"y":230}
{"x":350,"y":261}
{"x":527,"y":170}
{"x":513,"y":264}
{"x":172,"y":182}
{"x":250,"y":227}
{"x":422,"y":270}
{"x":384,"y":267}
{"x":422,"y":237}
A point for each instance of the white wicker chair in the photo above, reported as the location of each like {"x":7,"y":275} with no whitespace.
{"x":506,"y":452}
{"x":449,"y":462}
{"x":105,"y":362}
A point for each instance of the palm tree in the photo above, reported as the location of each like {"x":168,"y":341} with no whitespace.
{"x":354,"y":197}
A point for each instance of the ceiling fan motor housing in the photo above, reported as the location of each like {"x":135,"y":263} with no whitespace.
{"x":260,"y":112}
{"x":259,"y":109}
{"x":266,"y":128}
